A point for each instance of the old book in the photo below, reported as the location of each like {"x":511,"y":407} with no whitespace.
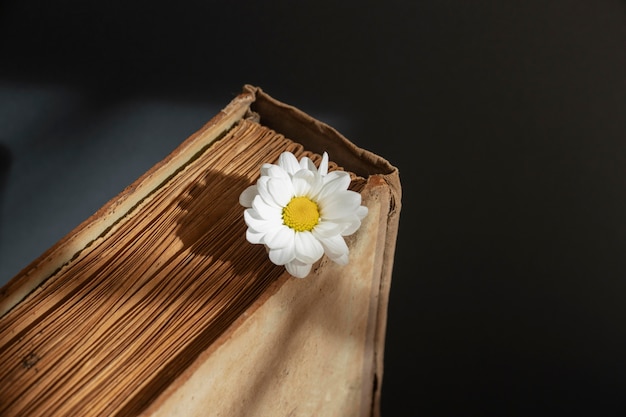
{"x":157,"y":305}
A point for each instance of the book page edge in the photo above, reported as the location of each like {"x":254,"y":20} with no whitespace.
{"x":47,"y":264}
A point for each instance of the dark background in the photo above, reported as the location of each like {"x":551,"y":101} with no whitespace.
{"x":507,"y":120}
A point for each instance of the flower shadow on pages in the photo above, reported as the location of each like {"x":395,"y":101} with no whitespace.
{"x":212,"y":230}
{"x":211,"y":224}
{"x":227,"y":272}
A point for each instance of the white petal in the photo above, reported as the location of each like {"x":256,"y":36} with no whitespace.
{"x":265,"y":169}
{"x":288,"y":162}
{"x":246,"y":197}
{"x":308,"y":248}
{"x":341,"y":176}
{"x":282,"y":256}
{"x":275,"y":171}
{"x":327,"y":229}
{"x":334,"y":182}
{"x":264,"y":191}
{"x":256,"y":223}
{"x":281,"y":190}
{"x":254,"y":237}
{"x":267,"y":212}
{"x":323,"y":169}
{"x":307,"y":164}
{"x":352,"y":223}
{"x":302,"y":181}
{"x":340,"y":205}
{"x":298,"y":269}
{"x":361,"y":212}
{"x":281,"y":237}
{"x":334,"y":246}
{"x":351,"y":226}
{"x":316,"y":184}
{"x":341,"y":260}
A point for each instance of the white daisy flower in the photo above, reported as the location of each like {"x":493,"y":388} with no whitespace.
{"x":300,"y":212}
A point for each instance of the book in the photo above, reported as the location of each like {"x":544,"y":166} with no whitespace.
{"x":157,"y":305}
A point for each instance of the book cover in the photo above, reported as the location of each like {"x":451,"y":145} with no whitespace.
{"x":158,"y":305}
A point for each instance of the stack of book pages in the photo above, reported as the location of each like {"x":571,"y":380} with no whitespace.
{"x":157,"y":305}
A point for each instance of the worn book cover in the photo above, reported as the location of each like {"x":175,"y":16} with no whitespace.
{"x":163,"y":303}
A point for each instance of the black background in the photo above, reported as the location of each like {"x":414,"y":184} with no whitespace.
{"x":507,"y":120}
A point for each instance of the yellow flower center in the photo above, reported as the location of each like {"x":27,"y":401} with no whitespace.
{"x":301,"y":214}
